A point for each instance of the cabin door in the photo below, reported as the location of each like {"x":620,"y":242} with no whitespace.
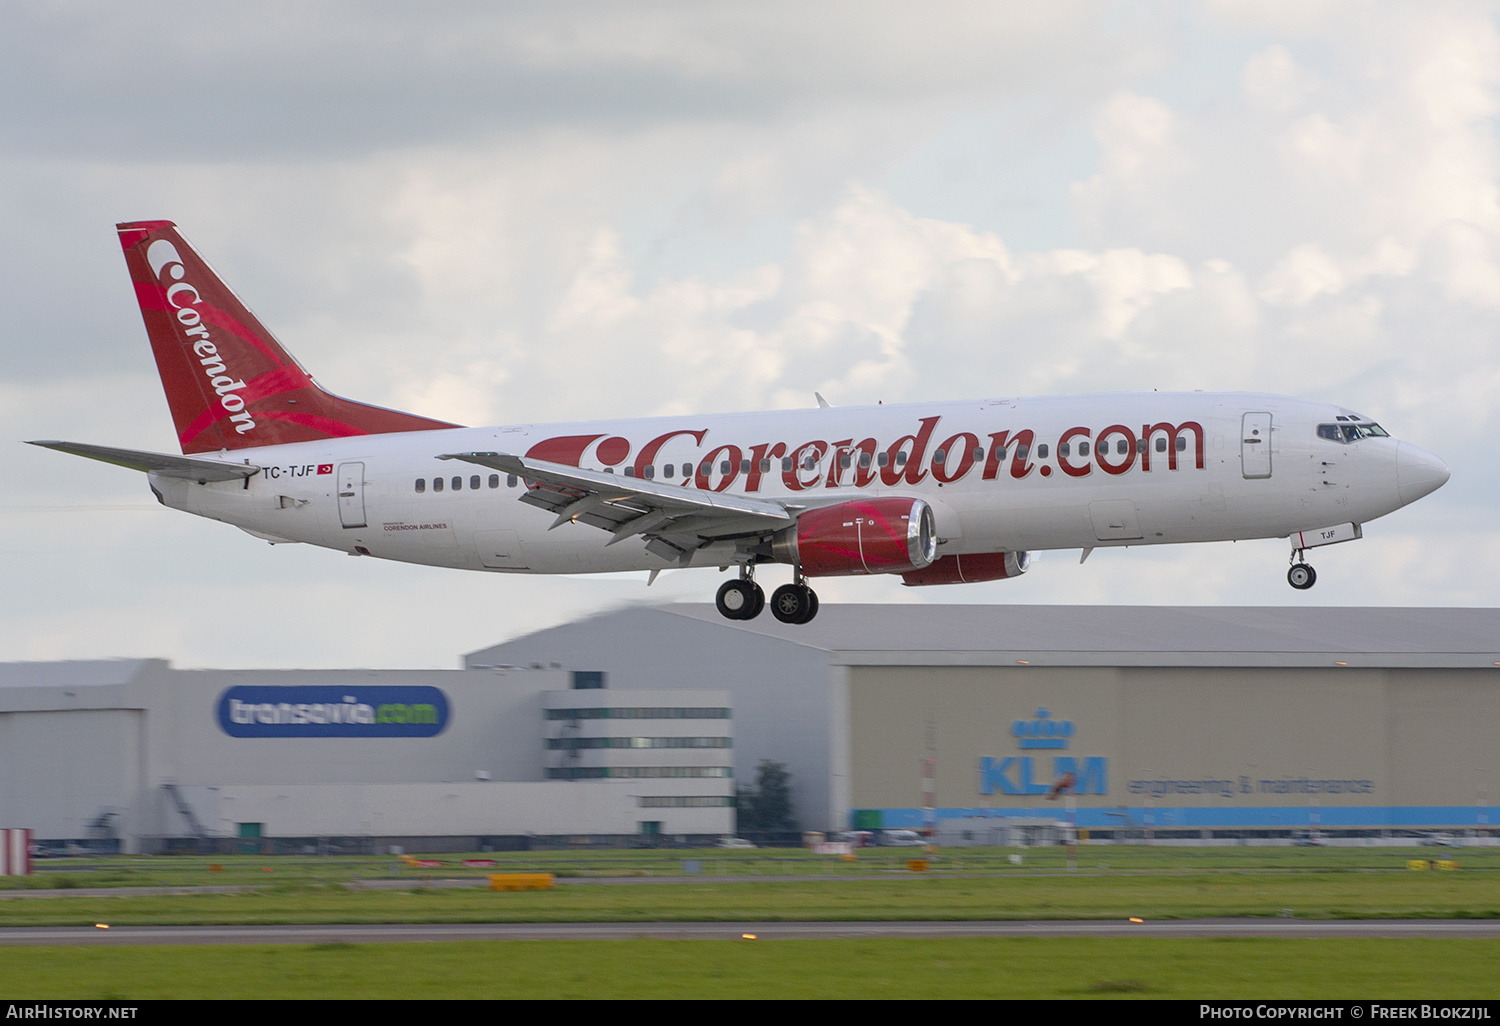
{"x":352,"y":494}
{"x":1255,"y":445}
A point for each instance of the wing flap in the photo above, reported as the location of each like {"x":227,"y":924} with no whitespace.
{"x":626,"y":506}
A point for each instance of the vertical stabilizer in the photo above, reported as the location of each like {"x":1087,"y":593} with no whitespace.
{"x":229,"y":383}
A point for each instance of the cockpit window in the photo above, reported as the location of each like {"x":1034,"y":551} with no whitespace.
{"x":1350,"y":432}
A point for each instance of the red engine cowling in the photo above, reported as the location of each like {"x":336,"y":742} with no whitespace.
{"x":980,"y":566}
{"x":866,"y":536}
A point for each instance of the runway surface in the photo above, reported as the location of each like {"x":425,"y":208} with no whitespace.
{"x":394,"y":933}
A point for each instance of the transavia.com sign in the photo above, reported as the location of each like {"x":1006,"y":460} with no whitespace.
{"x":333,"y":711}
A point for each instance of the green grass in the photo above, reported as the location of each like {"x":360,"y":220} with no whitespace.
{"x":242,"y":870}
{"x":1310,"y":895}
{"x":897,"y":968}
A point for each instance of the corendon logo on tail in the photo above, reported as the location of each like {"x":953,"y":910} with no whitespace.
{"x":909,"y":460}
{"x":182,"y":296}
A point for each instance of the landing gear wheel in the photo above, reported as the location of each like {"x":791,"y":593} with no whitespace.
{"x":1301,"y":576}
{"x":740,"y":600}
{"x":794,"y":603}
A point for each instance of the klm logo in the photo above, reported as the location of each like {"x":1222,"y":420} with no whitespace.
{"x":1025,"y":775}
{"x":1042,"y":732}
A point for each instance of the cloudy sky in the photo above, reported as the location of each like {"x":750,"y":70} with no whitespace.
{"x":522,"y":212}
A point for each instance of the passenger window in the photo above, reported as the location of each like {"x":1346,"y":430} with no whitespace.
{"x":437,"y":484}
{"x":421,"y":485}
{"x":999,"y":453}
{"x":1122,"y":447}
{"x":744,"y":466}
{"x":786,"y":464}
{"x":1041,"y":451}
{"x":1022,"y":451}
{"x":1063,"y":449}
{"x":494,"y":480}
{"x":864,"y":460}
{"x":630,"y":472}
{"x":1083,"y":448}
{"x":687,"y":470}
{"x":1140,"y":445}
{"x":844,"y":461}
{"x":510,"y":480}
{"x":901,"y":458}
{"x":649,"y":473}
{"x":668,"y":470}
{"x":1161,"y":445}
{"x":725,"y":467}
{"x":765,"y":466}
{"x":1182,"y":443}
{"x":458,"y":484}
{"x":940,"y":457}
{"x":706,"y":469}
{"x":474,"y":482}
{"x":978,"y":455}
{"x":883,"y":459}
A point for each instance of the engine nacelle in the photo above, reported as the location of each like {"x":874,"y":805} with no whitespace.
{"x":865,"y":536}
{"x":980,"y":566}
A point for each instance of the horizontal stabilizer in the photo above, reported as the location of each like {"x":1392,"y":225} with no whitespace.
{"x":194,"y":468}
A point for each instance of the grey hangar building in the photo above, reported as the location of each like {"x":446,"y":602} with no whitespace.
{"x":634,"y":726}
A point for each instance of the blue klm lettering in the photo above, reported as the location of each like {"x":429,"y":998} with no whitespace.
{"x":1013,"y":774}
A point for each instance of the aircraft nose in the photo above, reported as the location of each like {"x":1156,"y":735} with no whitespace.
{"x":1418,"y":472}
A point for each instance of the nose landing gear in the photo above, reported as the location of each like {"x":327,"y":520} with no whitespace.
{"x":1301,"y":576}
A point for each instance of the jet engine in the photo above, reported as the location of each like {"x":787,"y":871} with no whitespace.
{"x":866,"y":536}
{"x":979,"y":566}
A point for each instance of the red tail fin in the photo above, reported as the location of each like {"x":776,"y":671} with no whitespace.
{"x":228,"y":381}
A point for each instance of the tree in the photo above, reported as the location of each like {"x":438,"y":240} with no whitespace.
{"x":768,"y":805}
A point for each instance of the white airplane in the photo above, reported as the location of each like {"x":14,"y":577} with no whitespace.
{"x":939,"y":493}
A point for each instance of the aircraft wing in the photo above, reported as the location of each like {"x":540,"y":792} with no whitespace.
{"x":675,"y":520}
{"x":194,"y":468}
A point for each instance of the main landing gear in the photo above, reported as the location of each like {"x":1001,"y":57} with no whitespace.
{"x":743,"y":599}
{"x":1301,"y":576}
{"x":794,"y":603}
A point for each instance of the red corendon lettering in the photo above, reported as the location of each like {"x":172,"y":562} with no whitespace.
{"x":1062,"y":460}
{"x":1020,"y":463}
{"x":836,"y":465}
{"x":793,"y":478}
{"x":951,"y":470}
{"x":612,"y":451}
{"x":992,"y":461}
{"x":1171,"y":432}
{"x":565,"y":449}
{"x":1101,"y":450}
{"x":912,"y":473}
{"x":706,"y":467}
{"x":650,"y":449}
{"x":864,"y":473}
{"x":758,"y":454}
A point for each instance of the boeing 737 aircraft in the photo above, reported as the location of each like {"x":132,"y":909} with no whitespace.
{"x":939,"y":493}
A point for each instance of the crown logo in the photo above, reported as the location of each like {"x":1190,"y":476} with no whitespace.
{"x":1042,"y":732}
